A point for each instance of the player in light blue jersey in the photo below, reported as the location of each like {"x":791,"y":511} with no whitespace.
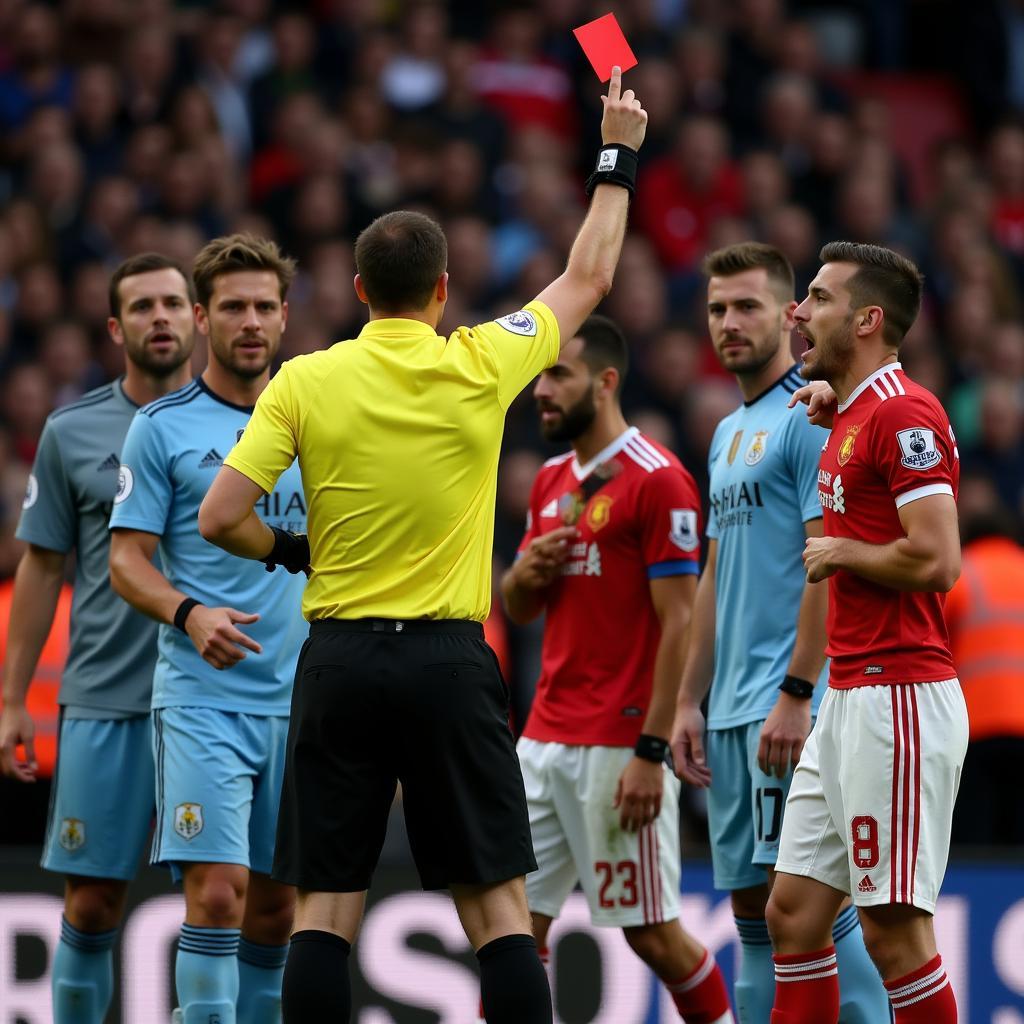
{"x":228,"y":643}
{"x":101,"y":806}
{"x":758,"y":632}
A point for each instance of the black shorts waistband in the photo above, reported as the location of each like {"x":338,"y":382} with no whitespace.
{"x":449,"y":627}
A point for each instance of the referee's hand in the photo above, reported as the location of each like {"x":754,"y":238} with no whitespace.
{"x":217,"y":638}
{"x":624,"y":120}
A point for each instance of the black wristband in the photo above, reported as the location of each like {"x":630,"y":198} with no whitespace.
{"x":616,"y":165}
{"x":182,"y":613}
{"x":797,"y":687}
{"x":651,"y":748}
{"x":290,"y":550}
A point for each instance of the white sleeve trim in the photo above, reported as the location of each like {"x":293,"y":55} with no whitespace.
{"x":923,"y":492}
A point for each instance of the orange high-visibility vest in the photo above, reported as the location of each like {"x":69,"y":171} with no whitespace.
{"x":985,"y":616}
{"x":42,"y":695}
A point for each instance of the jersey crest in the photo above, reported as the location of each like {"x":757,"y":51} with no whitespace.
{"x":188,"y":820}
{"x":755,"y":453}
{"x":845,"y":452}
{"x":72,"y":834}
{"x":599,"y":512}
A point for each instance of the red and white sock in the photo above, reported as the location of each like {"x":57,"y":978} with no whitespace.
{"x":806,"y":988}
{"x":924,"y":996}
{"x":701,"y":997}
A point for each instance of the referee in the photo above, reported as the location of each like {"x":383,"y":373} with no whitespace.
{"x":397,"y":433}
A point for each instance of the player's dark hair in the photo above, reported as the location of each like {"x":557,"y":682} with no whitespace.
{"x":144,"y":263}
{"x":735,"y":259}
{"x":399,"y":259}
{"x":604,"y":345}
{"x":884,"y":278}
{"x":232,"y":253}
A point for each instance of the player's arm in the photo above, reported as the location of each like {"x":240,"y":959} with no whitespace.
{"x":639,"y":792}
{"x":789,"y":722}
{"x":927,"y":558}
{"x":587,"y":278}
{"x":524,"y":587}
{"x":37,"y":584}
{"x":698,"y":668}
{"x":227,"y":516}
{"x":134,"y":577}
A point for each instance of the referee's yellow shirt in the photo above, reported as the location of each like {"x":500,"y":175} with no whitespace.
{"x":397,"y":433}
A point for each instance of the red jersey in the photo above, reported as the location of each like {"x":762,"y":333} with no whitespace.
{"x":601,"y":632}
{"x":891,"y":443}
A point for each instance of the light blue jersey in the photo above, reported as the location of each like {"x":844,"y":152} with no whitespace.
{"x":174,"y":449}
{"x":763,"y":467}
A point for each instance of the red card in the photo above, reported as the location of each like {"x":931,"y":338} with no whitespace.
{"x":605,"y":46}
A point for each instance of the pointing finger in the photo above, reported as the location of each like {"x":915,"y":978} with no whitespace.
{"x":615,"y":84}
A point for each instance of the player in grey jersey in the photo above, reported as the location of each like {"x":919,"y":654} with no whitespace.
{"x":102,"y":802}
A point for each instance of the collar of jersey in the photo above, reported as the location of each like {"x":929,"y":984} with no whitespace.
{"x":866,"y":383}
{"x":119,"y":385}
{"x":582,"y":472}
{"x":396,"y":327}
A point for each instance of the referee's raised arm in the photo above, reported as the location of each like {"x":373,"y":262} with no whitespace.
{"x":587,"y":278}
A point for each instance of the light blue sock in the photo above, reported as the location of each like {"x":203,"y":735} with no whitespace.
{"x":862,"y":997}
{"x":754,"y":987}
{"x":206,"y":974}
{"x":82,"y":975}
{"x":260,"y":969}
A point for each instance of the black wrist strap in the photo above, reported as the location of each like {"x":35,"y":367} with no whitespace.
{"x":616,"y":165}
{"x":797,"y":687}
{"x":182,"y":612}
{"x":290,"y":550}
{"x":651,"y":748}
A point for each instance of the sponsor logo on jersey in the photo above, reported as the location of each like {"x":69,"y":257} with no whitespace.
{"x":210,"y":459}
{"x":874,"y":670}
{"x":31,"y":492}
{"x":918,"y":447}
{"x":521,"y":323}
{"x":110,"y":462}
{"x":845,"y":452}
{"x":836,"y":499}
{"x":865,"y":885}
{"x":683,"y":528}
{"x":584,"y":560}
{"x":188,"y":820}
{"x":734,"y":447}
{"x":755,"y":453}
{"x":125,"y":484}
{"x":550,"y":510}
{"x":599,"y":511}
{"x":72,"y":834}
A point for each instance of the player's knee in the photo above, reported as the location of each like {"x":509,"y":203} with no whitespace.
{"x":95,"y":906}
{"x":782,"y":919}
{"x":272,"y":923}
{"x":749,"y":903}
{"x":217,"y":898}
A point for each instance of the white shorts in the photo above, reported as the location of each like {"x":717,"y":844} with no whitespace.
{"x":871,"y":804}
{"x":629,"y":878}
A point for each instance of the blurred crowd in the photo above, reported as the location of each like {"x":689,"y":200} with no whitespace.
{"x":129,"y":125}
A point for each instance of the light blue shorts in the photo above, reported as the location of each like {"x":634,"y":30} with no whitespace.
{"x":744,"y":808}
{"x":218,"y":779}
{"x":101,"y":805}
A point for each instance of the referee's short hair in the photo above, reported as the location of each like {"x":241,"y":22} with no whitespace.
{"x":144,"y":263}
{"x":604,"y":346}
{"x":399,"y":259}
{"x":232,"y":253}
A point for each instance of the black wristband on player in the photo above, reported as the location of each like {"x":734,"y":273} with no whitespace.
{"x":797,"y":687}
{"x":290,"y":550}
{"x":651,"y":748}
{"x":616,"y":165}
{"x":182,"y":612}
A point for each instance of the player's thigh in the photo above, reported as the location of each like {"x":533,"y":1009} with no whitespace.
{"x":629,"y":878}
{"x":544,"y":767}
{"x":899,"y":759}
{"x":272,"y":735}
{"x":101,"y":807}
{"x":731,"y":825}
{"x":204,"y":780}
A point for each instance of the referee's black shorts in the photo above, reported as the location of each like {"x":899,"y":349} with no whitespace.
{"x":421,"y":702}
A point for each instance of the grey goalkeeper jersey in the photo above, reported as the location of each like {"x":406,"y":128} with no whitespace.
{"x":109,"y":671}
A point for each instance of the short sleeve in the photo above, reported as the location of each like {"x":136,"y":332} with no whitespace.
{"x":913,"y":448}
{"x":49,"y":516}
{"x":670,"y":523}
{"x":270,"y":441}
{"x":521,"y":344}
{"x":144,"y":484}
{"x":803,"y":455}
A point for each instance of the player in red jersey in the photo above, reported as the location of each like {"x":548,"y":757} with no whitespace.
{"x":610,"y":555}
{"x":871,"y":804}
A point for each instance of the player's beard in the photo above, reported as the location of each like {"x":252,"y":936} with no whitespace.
{"x":832,"y":354}
{"x":231,"y":357}
{"x":155,"y":363}
{"x":750,"y":362}
{"x":575,"y":421}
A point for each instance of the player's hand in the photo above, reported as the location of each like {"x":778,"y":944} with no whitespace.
{"x":217,"y":638}
{"x":638,"y":794}
{"x":624,"y":120}
{"x":820,"y":400}
{"x":539,"y":565}
{"x":688,"y":746}
{"x":783,"y":735}
{"x":820,"y":557}
{"x":16,"y":729}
